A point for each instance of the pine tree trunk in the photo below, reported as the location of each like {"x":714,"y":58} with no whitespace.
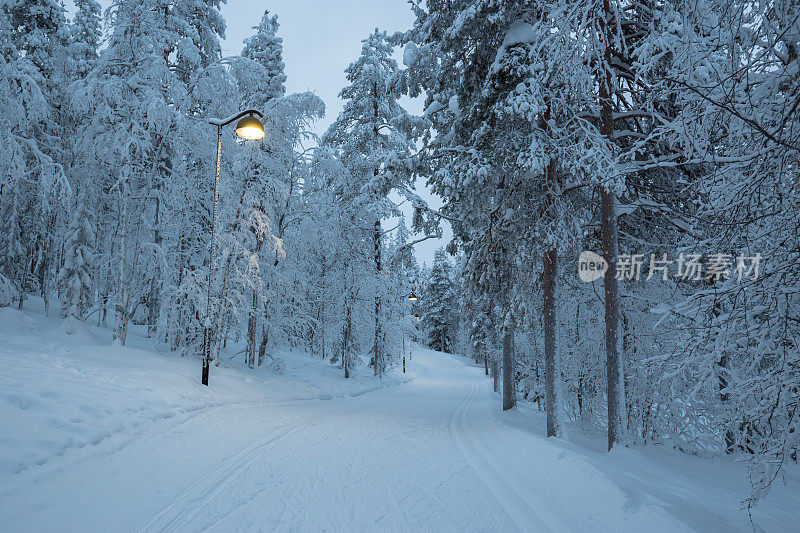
{"x":154,"y":298}
{"x":495,"y":375}
{"x":509,"y":378}
{"x":378,"y":349}
{"x":346,"y":342}
{"x":613,"y":368}
{"x":550,"y":349}
{"x":608,"y":222}
{"x":262,"y":346}
{"x":42,"y":269}
{"x":121,"y":305}
{"x":218,"y":326}
{"x":722,"y":371}
{"x":549,"y":280}
{"x":251,"y":330}
{"x":22,"y":279}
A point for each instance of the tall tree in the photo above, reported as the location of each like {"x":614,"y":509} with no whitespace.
{"x":374,"y":137}
{"x":266,"y":48}
{"x":86,"y":33}
{"x":130,"y":110}
{"x":75,"y":276}
{"x":440,"y":298}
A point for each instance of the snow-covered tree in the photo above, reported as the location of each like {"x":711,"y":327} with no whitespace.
{"x":86,"y":33}
{"x":75,"y":276}
{"x":374,"y":139}
{"x":440,"y":299}
{"x":266,"y":49}
{"x":129,"y":106}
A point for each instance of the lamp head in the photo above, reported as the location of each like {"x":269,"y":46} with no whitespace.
{"x":250,"y":128}
{"x":412,"y":298}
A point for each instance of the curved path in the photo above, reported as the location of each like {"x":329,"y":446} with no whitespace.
{"x":431,"y":454}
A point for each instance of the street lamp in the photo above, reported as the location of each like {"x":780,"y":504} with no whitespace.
{"x":250,"y":128}
{"x":411,"y":298}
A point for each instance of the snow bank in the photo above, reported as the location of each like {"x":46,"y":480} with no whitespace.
{"x":66,"y":391}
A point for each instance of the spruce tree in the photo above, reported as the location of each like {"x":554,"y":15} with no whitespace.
{"x":76,"y":275}
{"x":440,"y":300}
{"x":86,"y":33}
{"x":266,"y":49}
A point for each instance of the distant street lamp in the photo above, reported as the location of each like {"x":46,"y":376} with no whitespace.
{"x":250,"y":128}
{"x":411,"y":298}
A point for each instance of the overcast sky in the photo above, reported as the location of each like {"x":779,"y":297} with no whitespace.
{"x":320,"y":38}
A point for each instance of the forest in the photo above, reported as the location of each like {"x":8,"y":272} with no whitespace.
{"x":620,"y":176}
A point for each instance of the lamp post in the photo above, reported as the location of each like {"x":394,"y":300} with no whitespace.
{"x":250,"y":128}
{"x":411,"y":298}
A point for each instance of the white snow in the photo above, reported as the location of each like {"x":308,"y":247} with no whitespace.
{"x":101,"y":437}
{"x":410,"y":54}
{"x":519,"y":32}
{"x":435,"y":107}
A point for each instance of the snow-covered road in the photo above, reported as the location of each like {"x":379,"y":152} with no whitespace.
{"x":434,"y":453}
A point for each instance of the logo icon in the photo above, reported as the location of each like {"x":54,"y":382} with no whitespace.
{"x":591,"y":266}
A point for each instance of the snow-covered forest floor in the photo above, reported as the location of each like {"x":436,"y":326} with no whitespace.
{"x":102,"y":437}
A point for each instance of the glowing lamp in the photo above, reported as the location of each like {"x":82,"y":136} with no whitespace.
{"x":250,"y":128}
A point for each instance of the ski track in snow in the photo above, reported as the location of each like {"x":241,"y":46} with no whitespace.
{"x":525,"y":518}
{"x":191,"y":501}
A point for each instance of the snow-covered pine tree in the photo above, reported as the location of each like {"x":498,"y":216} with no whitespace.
{"x":86,"y":32}
{"x":75,"y":277}
{"x":374,"y":139}
{"x":729,"y":71}
{"x":31,"y":179}
{"x":198,"y":25}
{"x":130,"y":111}
{"x":340,"y":250}
{"x":38,"y":29}
{"x":39,"y":33}
{"x":265,"y":48}
{"x":470,"y":162}
{"x":439,"y":304}
{"x":265,"y":194}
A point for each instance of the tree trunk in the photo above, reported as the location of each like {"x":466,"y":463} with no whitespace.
{"x":722,"y":371}
{"x":154,"y":298}
{"x":121,"y":306}
{"x":608,"y":222}
{"x":509,"y":379}
{"x":22,"y":279}
{"x":549,"y":280}
{"x":551,"y":366}
{"x":348,"y":325}
{"x":378,"y":348}
{"x":495,"y":376}
{"x":218,"y":326}
{"x":485,"y":365}
{"x":251,"y":330}
{"x":262,"y":346}
{"x":613,"y":369}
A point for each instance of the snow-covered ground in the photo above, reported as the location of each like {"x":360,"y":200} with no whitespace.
{"x":101,"y":437}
